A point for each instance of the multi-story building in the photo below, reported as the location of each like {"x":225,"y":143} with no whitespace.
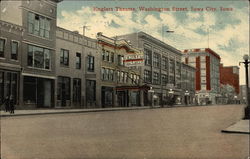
{"x":120,"y":85}
{"x":29,"y":28}
{"x":162,"y":69}
{"x":77,"y":70}
{"x":207,"y":64}
{"x":188,"y":84}
{"x":230,"y":75}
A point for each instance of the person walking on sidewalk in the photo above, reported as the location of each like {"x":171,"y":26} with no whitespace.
{"x":7,"y":103}
{"x":12,"y":106}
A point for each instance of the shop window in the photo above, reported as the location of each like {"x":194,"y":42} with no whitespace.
{"x":77,"y":90}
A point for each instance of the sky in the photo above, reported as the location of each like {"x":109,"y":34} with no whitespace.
{"x":222,"y":26}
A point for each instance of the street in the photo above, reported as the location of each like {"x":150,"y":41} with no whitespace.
{"x":166,"y":133}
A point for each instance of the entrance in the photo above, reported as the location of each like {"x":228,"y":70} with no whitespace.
{"x":121,"y":99}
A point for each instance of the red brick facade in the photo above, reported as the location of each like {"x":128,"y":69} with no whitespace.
{"x":198,"y":73}
{"x":208,"y":73}
{"x":227,"y":76}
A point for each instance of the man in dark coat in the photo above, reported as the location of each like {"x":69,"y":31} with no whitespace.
{"x":7,"y":103}
{"x":12,"y":105}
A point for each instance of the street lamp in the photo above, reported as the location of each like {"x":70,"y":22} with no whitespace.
{"x":247,"y":109}
{"x":186,"y":97}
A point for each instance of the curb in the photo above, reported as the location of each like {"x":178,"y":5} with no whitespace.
{"x":234,"y":132}
{"x":73,"y":112}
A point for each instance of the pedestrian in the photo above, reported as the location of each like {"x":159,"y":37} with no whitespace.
{"x":12,"y":106}
{"x":7,"y":103}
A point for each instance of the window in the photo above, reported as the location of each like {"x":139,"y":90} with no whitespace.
{"x":148,"y":57}
{"x":171,"y":79}
{"x":164,"y":79}
{"x":107,"y":55}
{"x":39,"y":57}
{"x":120,"y":60}
{"x":156,"y":60}
{"x":78,"y":60}
{"x":107,"y":74}
{"x":64,"y":57}
{"x":156,"y":79}
{"x":39,"y":25}
{"x":14,"y":50}
{"x":171,"y":66}
{"x":103,"y":55}
{"x":164,"y":62}
{"x":147,"y":76}
{"x":91,"y":63}
{"x":112,"y":57}
{"x":2,"y":45}
{"x":178,"y":68}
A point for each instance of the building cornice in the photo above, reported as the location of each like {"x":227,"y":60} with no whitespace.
{"x":159,"y":42}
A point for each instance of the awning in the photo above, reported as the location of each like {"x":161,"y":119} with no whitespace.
{"x":143,"y":87}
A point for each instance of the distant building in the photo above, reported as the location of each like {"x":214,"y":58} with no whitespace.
{"x":188,"y":84}
{"x":162,"y":69}
{"x":230,"y":75}
{"x":207,"y":64}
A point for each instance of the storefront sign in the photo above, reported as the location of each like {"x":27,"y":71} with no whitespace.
{"x":133,"y":60}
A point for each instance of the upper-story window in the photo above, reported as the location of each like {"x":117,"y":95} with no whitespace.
{"x":148,"y":57}
{"x":156,"y":78}
{"x":172,"y":66}
{"x":164,"y":79}
{"x":91,"y":63}
{"x":156,"y":60}
{"x":120,"y":60}
{"x":14,"y":50}
{"x":64,"y":57}
{"x":147,"y":76}
{"x":39,"y":57}
{"x":164,"y":62}
{"x":78,"y":60}
{"x":112,"y":57}
{"x":39,"y":25}
{"x":2,"y":46}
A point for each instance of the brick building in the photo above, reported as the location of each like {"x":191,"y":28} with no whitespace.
{"x":230,"y":75}
{"x":207,"y":64}
{"x":120,"y":85}
{"x":162,"y":69}
{"x":27,"y":50}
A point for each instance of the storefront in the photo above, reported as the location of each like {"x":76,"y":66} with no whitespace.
{"x":38,"y":92}
{"x":9,"y":85}
{"x":107,"y":97}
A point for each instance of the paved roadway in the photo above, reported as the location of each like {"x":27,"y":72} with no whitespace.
{"x":164,"y":133}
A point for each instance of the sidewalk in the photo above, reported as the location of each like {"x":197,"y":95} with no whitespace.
{"x":64,"y":111}
{"x":241,"y":126}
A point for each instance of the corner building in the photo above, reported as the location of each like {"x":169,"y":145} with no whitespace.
{"x":33,"y":51}
{"x":207,"y":64}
